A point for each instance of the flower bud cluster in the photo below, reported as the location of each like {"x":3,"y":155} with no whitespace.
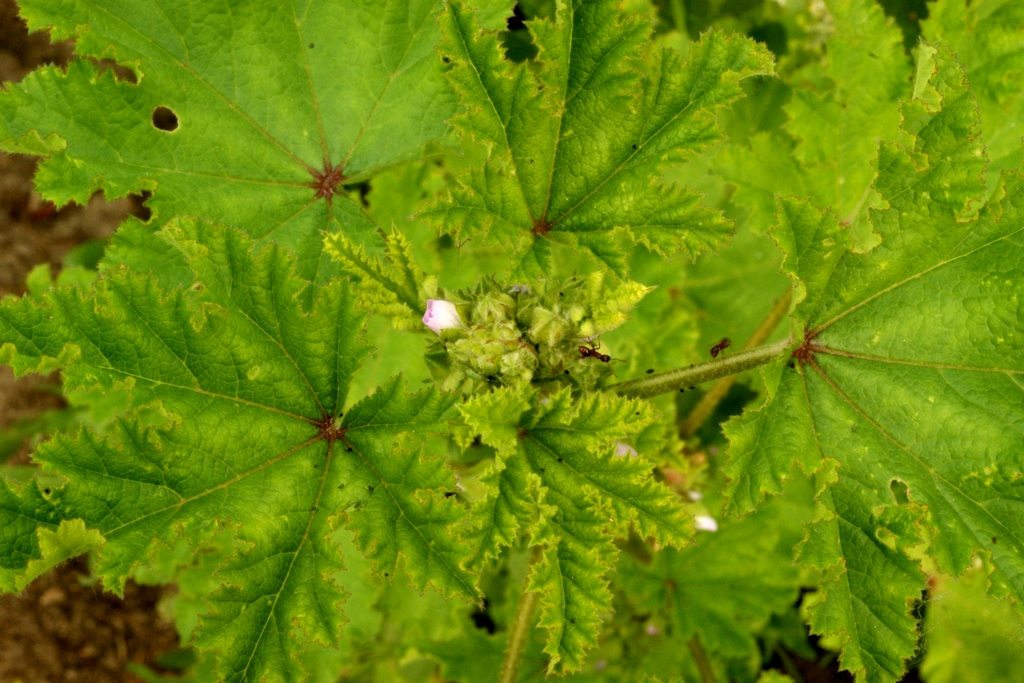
{"x":497,"y":335}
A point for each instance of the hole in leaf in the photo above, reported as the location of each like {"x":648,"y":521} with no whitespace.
{"x":899,"y":492}
{"x":164,"y":119}
{"x":138,"y":206}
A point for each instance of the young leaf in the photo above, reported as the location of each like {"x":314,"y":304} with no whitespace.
{"x":396,"y":288}
{"x":578,"y":143}
{"x":906,"y":386}
{"x":254,"y":441}
{"x":252,"y":116}
{"x":570,"y":447}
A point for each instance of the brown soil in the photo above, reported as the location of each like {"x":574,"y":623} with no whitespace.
{"x":60,"y":628}
{"x":32,"y":231}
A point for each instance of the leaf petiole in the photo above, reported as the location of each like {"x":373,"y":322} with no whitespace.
{"x":681,"y":378}
{"x":521,"y":627}
{"x":710,"y":400}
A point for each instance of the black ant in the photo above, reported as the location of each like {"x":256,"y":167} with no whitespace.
{"x":720,"y":346}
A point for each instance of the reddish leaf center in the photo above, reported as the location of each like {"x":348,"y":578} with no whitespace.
{"x":326,"y":181}
{"x":805,"y":353}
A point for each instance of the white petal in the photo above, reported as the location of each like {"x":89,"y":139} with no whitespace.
{"x":441,"y":315}
{"x":622,"y":448}
{"x":705,"y":523}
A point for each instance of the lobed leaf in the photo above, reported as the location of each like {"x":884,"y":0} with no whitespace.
{"x":905,"y":389}
{"x":254,"y":441}
{"x":568,"y":447}
{"x":255,"y":116}
{"x":988,"y":43}
{"x":725,"y":588}
{"x":395,"y":288}
{"x":578,"y":143}
{"x":837,"y":114}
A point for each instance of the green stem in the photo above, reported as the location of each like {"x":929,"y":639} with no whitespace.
{"x":707,"y":674}
{"x":682,"y":378}
{"x":521,"y":626}
{"x":710,"y":400}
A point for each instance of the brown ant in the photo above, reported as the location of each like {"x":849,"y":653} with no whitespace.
{"x":720,"y":346}
{"x":587,"y":352}
{"x":592,"y":352}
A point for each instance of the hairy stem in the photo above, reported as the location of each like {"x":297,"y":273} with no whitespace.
{"x":707,"y":674}
{"x":521,"y":626}
{"x":682,"y":378}
{"x":710,"y":400}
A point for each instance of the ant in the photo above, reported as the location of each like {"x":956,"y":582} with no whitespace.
{"x":720,"y":346}
{"x":587,"y":352}
{"x":592,"y":352}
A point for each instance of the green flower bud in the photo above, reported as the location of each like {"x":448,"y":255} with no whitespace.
{"x":517,"y":334}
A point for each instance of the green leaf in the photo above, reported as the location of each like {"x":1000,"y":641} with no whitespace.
{"x":732,"y":290}
{"x":397,"y":195}
{"x":773,"y":676}
{"x":254,"y":441}
{"x":813,"y":244}
{"x":578,"y":141}
{"x":726,"y":587}
{"x":568,"y":447}
{"x":70,"y":540}
{"x":254,"y":117}
{"x":971,"y":638}
{"x":905,"y":386}
{"x":988,"y":43}
{"x":836,"y":117}
{"x":396,"y":288}
{"x":472,"y":657}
